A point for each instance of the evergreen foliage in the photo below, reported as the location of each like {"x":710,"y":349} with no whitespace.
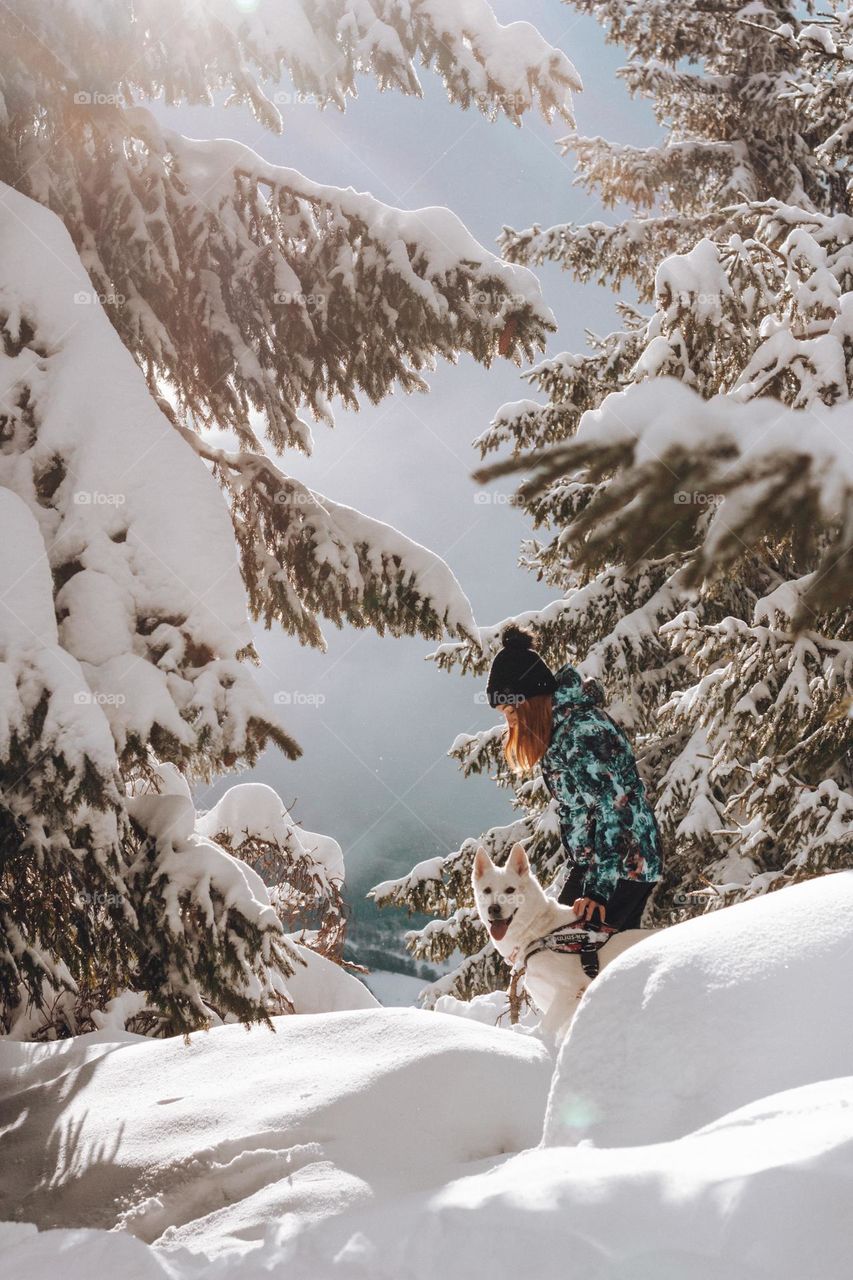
{"x":691,"y":473}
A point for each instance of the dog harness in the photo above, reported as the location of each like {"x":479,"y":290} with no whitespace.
{"x":570,"y":939}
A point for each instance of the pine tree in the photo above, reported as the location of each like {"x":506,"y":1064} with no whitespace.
{"x":699,"y":533}
{"x":303,"y":870}
{"x":244,"y":288}
{"x":152,"y":286}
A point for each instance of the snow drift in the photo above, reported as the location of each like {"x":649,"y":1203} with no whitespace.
{"x":212,"y":1139}
{"x":700,"y":1124}
{"x":710,"y":1015}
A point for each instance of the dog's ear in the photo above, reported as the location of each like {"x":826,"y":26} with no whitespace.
{"x":482,"y":863}
{"x":518,"y":860}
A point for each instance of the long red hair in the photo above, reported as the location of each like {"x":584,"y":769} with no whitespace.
{"x":529,"y":734}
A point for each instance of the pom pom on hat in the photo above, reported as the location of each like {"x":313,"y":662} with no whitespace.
{"x":514,"y":637}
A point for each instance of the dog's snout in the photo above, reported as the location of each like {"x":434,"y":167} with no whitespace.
{"x":494,"y":911}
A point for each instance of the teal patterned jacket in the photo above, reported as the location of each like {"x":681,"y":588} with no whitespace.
{"x":606,"y":822}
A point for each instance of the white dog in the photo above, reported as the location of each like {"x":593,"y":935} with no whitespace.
{"x":517,"y":912}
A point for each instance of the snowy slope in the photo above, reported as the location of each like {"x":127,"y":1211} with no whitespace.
{"x":394,"y":989}
{"x":319,"y":985}
{"x":700,"y":1127}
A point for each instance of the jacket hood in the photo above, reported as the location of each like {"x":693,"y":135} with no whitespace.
{"x":574,"y":692}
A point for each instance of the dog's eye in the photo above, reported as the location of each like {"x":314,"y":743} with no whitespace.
{"x":487,"y":891}
{"x":511,"y":889}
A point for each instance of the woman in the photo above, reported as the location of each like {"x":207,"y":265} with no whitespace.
{"x":607,"y":825}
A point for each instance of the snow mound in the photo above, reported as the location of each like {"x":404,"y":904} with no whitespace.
{"x":763,"y":1193}
{"x":319,"y":985}
{"x":81,"y":1255}
{"x":708,"y":1016}
{"x":206,"y":1142}
{"x":699,"y":1124}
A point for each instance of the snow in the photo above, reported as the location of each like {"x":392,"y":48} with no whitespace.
{"x":428,"y":573}
{"x":196,"y":866}
{"x":435,"y":237}
{"x":394,"y":989}
{"x":318,"y":985}
{"x":763,"y":1193}
{"x":492,"y":1009}
{"x":32,"y":660}
{"x":709,"y":1016}
{"x":355,"y":546}
{"x":694,"y":280}
{"x":147,"y":583}
{"x":699,"y":1124}
{"x":252,"y":810}
{"x":206,"y":1142}
{"x":428,"y":869}
{"x":656,"y":416}
{"x":322,"y":43}
{"x":814,"y":33}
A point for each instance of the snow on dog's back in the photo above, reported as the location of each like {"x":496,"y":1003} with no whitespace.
{"x":708,"y":1016}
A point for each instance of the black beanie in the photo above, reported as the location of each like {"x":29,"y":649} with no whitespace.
{"x":518,"y":673}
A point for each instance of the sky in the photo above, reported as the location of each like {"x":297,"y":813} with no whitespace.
{"x":374,"y":717}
